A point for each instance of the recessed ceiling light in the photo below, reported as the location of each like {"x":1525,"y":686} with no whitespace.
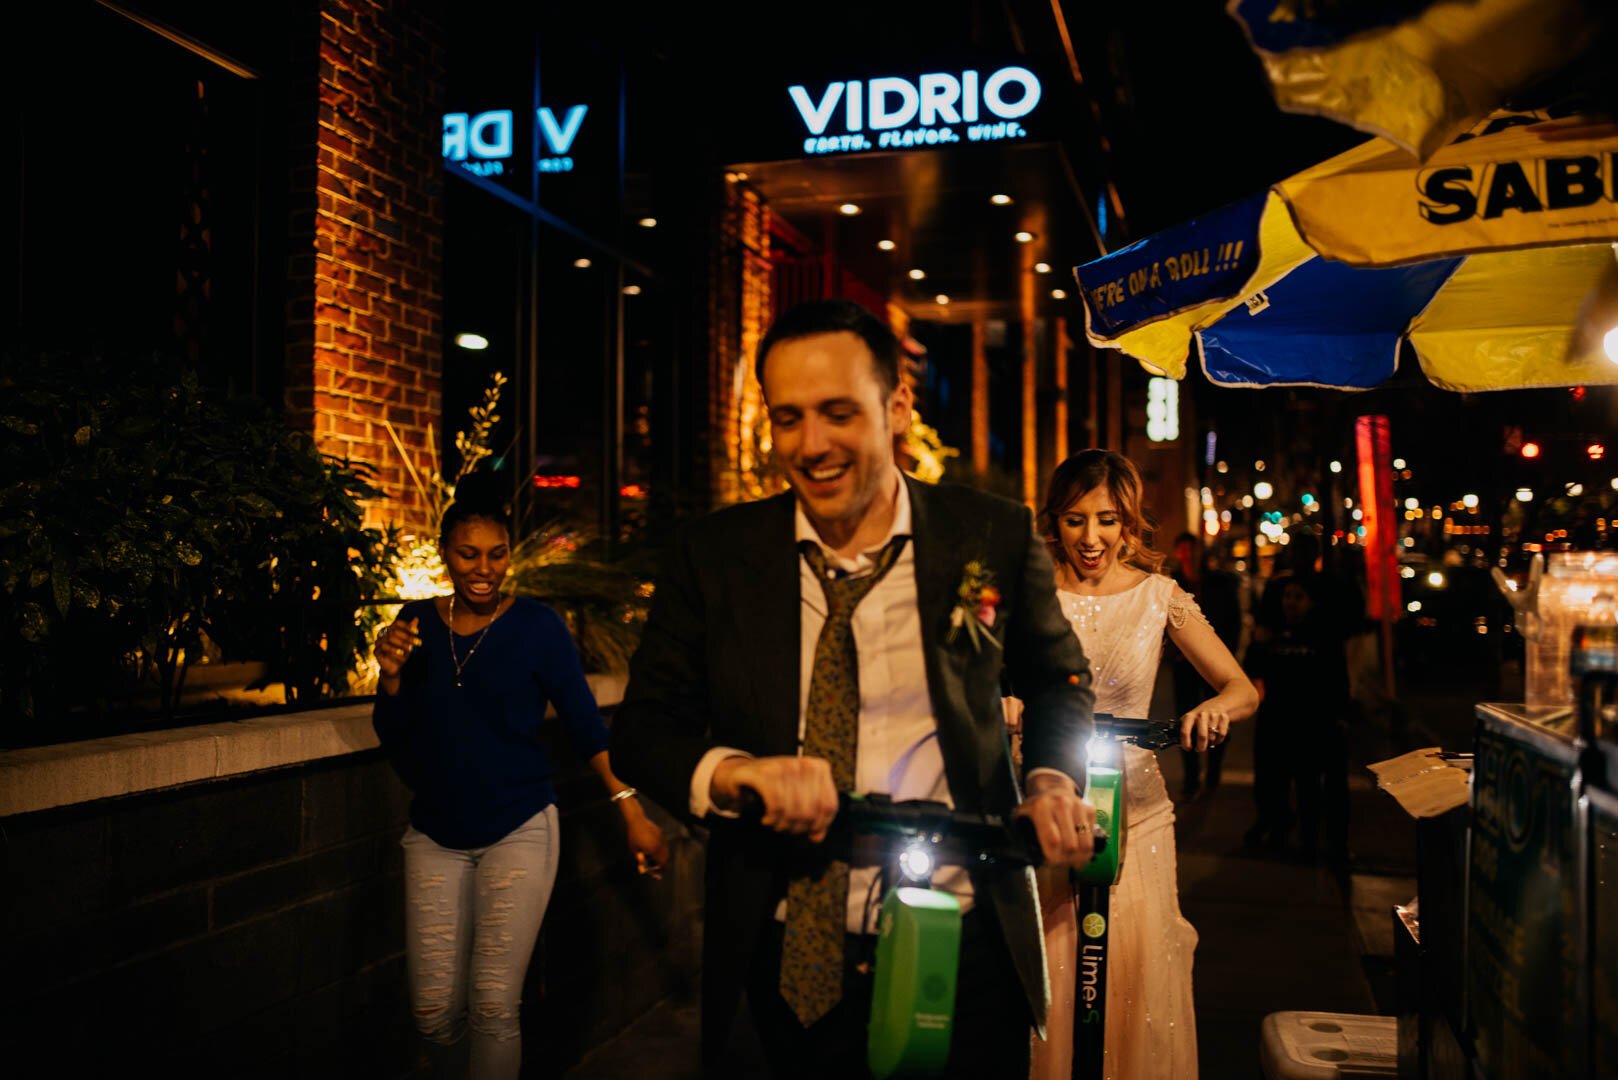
{"x":1000,"y":199}
{"x":1042,"y":268}
{"x":941,"y":298}
{"x":631,"y":290}
{"x":582,"y":264}
{"x":886,"y":245}
{"x":475,"y":342}
{"x":1058,"y":294}
{"x":1024,"y":236}
{"x":647,"y":223}
{"x":848,"y":209}
{"x":917,"y":274}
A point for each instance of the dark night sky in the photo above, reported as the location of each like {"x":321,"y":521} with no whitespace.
{"x":1206,"y":131}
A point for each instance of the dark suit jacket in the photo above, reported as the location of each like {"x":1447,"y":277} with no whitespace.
{"x":718,"y":665}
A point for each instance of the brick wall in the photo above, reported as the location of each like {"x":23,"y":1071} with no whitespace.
{"x":365,"y":289}
{"x":738,"y":314}
{"x":255,"y":927}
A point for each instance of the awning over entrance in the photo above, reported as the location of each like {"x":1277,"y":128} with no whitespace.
{"x":954,"y":214}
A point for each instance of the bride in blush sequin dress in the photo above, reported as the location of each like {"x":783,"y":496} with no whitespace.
{"x":1121,"y":611}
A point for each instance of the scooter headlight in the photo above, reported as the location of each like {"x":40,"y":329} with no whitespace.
{"x":1100,"y":750}
{"x":916,"y":864}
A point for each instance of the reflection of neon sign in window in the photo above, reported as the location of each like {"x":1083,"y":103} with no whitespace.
{"x":917,"y":113}
{"x":481,"y":143}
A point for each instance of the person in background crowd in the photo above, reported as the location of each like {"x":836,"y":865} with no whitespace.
{"x":465,"y":681}
{"x":1218,"y":594}
{"x":1299,"y":657}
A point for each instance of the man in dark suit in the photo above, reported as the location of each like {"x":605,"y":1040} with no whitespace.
{"x":819,"y":641}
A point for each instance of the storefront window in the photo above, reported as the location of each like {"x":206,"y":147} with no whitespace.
{"x":140,"y":196}
{"x":535,"y":250}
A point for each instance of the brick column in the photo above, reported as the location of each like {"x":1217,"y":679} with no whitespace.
{"x":739,"y":311}
{"x":980,"y":396}
{"x":1030,"y":377}
{"x":366,"y":267}
{"x":1059,"y":424}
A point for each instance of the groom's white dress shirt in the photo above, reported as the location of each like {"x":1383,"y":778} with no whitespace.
{"x":898,"y":753}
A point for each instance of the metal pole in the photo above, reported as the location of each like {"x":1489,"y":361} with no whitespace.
{"x":612,"y":390}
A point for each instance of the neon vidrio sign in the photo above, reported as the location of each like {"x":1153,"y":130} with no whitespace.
{"x":893,"y":113}
{"x":482,"y":142}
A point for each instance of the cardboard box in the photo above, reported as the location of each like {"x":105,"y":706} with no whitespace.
{"x":1434,"y":790}
{"x":1425,"y":782}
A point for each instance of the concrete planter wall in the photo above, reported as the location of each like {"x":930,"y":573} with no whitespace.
{"x":227,"y":899}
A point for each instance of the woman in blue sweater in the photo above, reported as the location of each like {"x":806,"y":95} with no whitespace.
{"x":465,"y":681}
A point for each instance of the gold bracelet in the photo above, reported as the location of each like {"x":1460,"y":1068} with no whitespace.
{"x":626,"y":793}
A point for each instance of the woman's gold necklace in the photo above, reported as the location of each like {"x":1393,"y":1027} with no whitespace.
{"x":459,"y":662}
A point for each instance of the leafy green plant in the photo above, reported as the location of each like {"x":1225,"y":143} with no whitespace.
{"x":145,"y":519}
{"x":926,"y":450}
{"x":472,"y":445}
{"x":603,"y":600}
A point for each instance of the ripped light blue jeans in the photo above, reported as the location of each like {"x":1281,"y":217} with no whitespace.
{"x":471,"y":919}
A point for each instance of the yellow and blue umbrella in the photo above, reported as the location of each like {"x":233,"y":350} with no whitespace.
{"x":1481,"y":258}
{"x":1415,"y":72}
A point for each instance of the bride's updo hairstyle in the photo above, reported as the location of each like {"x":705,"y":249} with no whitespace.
{"x":479,"y":495}
{"x":1083,"y":473}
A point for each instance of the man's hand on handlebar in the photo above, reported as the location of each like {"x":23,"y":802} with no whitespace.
{"x":1064,"y":822}
{"x":798,"y":793}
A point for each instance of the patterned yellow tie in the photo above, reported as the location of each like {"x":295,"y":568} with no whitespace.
{"x":817,"y":906}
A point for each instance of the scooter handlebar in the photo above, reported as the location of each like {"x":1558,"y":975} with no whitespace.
{"x":1146,"y":734}
{"x":972,"y":837}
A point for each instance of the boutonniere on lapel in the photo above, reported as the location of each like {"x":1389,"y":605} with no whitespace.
{"x":974,"y":612}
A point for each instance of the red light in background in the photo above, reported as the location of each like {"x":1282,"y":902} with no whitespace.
{"x":1596,"y":451}
{"x":632,"y":491}
{"x":1578,"y":393}
{"x":1530,"y":449}
{"x":556,"y":481}
{"x":1376,"y":532}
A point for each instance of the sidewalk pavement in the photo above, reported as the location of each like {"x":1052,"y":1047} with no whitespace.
{"x":1276,"y":933}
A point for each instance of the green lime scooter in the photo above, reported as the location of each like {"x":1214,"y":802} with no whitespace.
{"x":919,"y":927}
{"x":1092,"y":886}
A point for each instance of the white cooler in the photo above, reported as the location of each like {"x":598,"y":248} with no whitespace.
{"x":1327,"y":1046}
